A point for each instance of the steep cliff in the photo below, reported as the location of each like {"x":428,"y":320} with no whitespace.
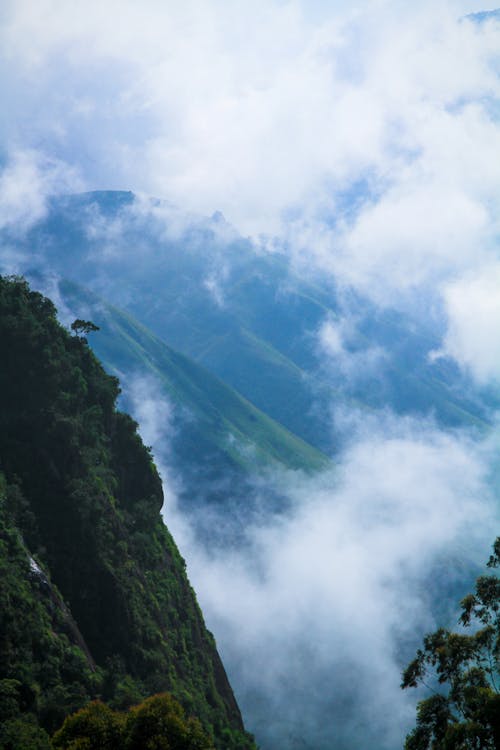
{"x":95,"y":597}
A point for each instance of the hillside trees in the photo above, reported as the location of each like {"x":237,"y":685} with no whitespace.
{"x":464,"y":713}
{"x":94,"y":596}
{"x":158,"y":723}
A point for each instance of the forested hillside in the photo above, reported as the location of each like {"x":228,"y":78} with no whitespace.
{"x":94,"y":596}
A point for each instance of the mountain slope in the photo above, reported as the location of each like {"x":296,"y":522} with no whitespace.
{"x":247,"y":317}
{"x":223,"y":419}
{"x":81,"y":495}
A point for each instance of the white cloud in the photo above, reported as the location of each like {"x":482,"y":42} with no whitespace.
{"x":247,"y":109}
{"x":26,"y":181}
{"x":473,"y":307}
{"x":274,"y":113}
{"x":340,"y":351}
{"x":407,"y":239}
{"x":314,"y":611}
{"x":155,"y":415}
{"x":319,"y":604}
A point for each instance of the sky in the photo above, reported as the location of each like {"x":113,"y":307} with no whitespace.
{"x":364,"y":140}
{"x":364,"y":135}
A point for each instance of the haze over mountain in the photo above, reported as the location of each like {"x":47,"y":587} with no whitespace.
{"x":244,"y":515}
{"x":305,"y":320}
{"x":248,"y":317}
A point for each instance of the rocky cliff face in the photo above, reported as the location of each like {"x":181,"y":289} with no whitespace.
{"x":95,"y":597}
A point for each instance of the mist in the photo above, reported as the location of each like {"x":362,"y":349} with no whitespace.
{"x":320,"y":608}
{"x":361,"y":137}
{"x":357,"y":142}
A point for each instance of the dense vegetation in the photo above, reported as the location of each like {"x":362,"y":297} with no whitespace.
{"x":467,"y":716}
{"x":95,"y":602}
{"x":158,"y":723}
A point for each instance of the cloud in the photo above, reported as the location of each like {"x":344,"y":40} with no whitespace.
{"x":145,"y":400}
{"x":26,"y":181}
{"x":312,"y":617}
{"x":473,"y":308}
{"x":318,"y":608}
{"x":365,"y":138}
{"x":409,"y":238}
{"x":430,"y":209}
{"x":250,"y":111}
{"x":361,"y":135}
{"x":341,"y":354}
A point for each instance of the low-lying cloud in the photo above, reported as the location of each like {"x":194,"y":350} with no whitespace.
{"x":340,"y":353}
{"x":312,"y":624}
{"x":317,"y":612}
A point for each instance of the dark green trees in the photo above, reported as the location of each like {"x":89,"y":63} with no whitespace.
{"x":95,"y":727}
{"x":95,"y":601}
{"x":83,"y":327}
{"x":464,"y":713}
{"x":158,"y":723}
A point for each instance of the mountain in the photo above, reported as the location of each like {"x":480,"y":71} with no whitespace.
{"x":218,"y":417}
{"x":257,"y":362}
{"x":95,"y":601}
{"x":219,"y":444}
{"x":248,"y":317}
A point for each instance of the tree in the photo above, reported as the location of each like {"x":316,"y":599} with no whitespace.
{"x":159,"y":723}
{"x":23,"y":733}
{"x":83,"y":327}
{"x":95,"y":727}
{"x":465,"y":713}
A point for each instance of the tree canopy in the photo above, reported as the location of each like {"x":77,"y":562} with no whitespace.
{"x":463,"y":713}
{"x":83,"y":327}
{"x":158,"y":723}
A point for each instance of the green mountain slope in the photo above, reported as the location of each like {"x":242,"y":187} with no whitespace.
{"x":107,"y":609}
{"x":219,"y":418}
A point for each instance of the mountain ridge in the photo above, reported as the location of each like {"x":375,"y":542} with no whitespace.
{"x":205,"y":291}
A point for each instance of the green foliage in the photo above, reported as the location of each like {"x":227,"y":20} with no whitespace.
{"x":83,"y":327}
{"x":23,"y":734}
{"x":467,"y":716}
{"x":158,"y":723}
{"x":41,"y":671}
{"x":94,"y":600}
{"x":95,"y":727}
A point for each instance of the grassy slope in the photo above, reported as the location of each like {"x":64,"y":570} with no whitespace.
{"x":224,"y":418}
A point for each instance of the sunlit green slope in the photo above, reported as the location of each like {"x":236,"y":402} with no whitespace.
{"x":218,"y":420}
